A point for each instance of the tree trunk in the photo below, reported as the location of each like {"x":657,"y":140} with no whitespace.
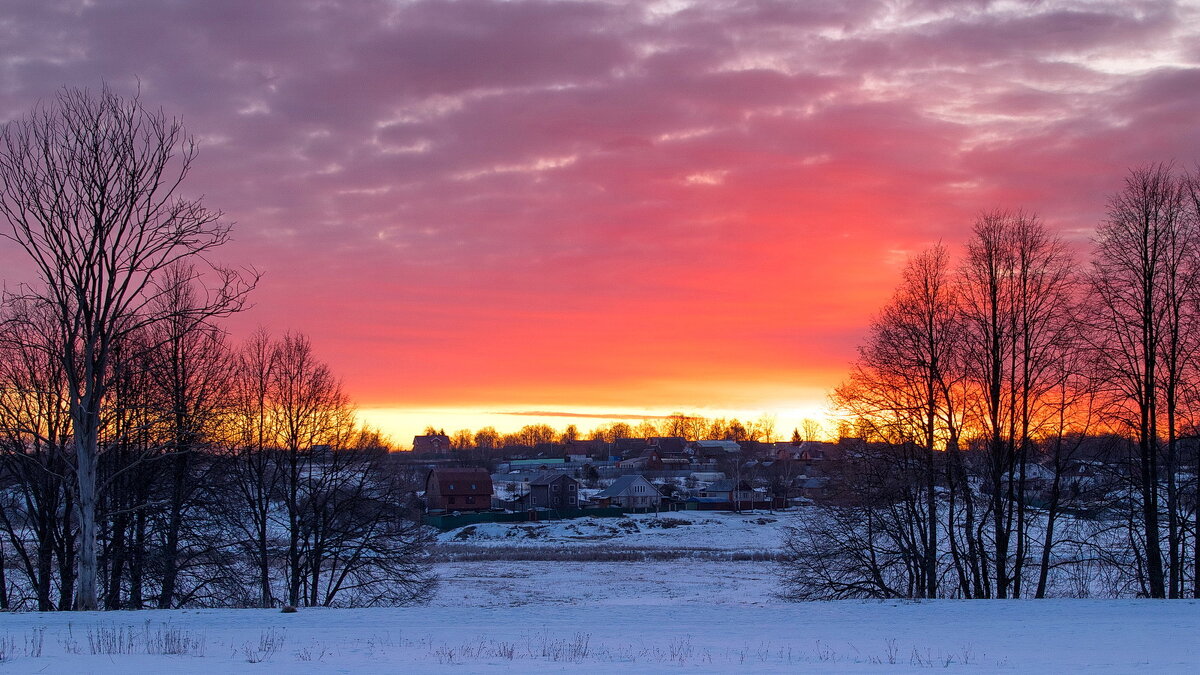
{"x":86,"y":460}
{"x":166,"y":598}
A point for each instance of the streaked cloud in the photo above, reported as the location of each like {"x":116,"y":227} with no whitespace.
{"x":610,"y":203}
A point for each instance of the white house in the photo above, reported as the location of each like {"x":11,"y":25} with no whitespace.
{"x":631,"y":492}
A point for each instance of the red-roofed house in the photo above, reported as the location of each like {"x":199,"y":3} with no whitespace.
{"x":458,"y":489}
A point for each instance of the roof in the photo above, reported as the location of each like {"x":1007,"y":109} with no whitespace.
{"x":549,"y":477}
{"x":726,"y":485}
{"x":622,"y":484}
{"x":727,"y":446}
{"x":587,"y":444}
{"x":537,"y":462}
{"x":668,"y":443}
{"x":429,"y":442}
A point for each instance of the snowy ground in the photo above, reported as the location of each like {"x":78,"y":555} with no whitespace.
{"x":687,"y":615}
{"x":706,"y":617}
{"x":690,"y":530}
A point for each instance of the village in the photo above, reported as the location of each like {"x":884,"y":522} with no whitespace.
{"x":584,"y":478}
{"x":598,"y":478}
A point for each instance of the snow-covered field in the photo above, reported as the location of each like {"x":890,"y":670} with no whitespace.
{"x":689,"y":530}
{"x":682,"y":616}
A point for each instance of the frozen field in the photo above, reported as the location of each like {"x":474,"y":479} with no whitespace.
{"x":676,"y":617}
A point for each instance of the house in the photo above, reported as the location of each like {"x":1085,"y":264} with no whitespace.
{"x":729,"y":490}
{"x":649,"y":459}
{"x":553,"y":491}
{"x":715,"y":450}
{"x":813,"y":488}
{"x":629,"y":447}
{"x":432,"y":444}
{"x":458,"y":489}
{"x":594,"y":448}
{"x":668,"y":445}
{"x":630,"y":492}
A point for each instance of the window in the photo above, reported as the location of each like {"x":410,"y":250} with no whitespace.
{"x":449,"y":500}
{"x":473,"y":487}
{"x":555,"y":488}
{"x":450,"y":487}
{"x":571,"y":487}
{"x":571,"y":500}
{"x":470,"y":499}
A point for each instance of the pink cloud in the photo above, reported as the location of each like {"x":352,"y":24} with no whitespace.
{"x":577,"y":202}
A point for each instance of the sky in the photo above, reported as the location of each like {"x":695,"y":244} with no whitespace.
{"x":601,"y":208}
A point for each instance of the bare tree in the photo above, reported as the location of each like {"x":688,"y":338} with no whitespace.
{"x":90,"y":187}
{"x":253,"y":434}
{"x":901,"y":387}
{"x":192,"y":368}
{"x":307,"y":405}
{"x":462,"y":439}
{"x":1015,"y":299}
{"x":487,"y":438}
{"x":810,"y":430}
{"x":35,"y":430}
{"x":765,"y":427}
{"x":1143,"y":279}
{"x":361,"y":544}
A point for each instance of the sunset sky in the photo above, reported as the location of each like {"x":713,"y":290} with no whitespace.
{"x":601,"y":208}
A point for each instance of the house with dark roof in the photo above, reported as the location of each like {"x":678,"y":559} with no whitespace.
{"x":458,"y":489}
{"x":729,"y":490}
{"x":815,"y":488}
{"x":649,"y":459}
{"x":553,"y":490}
{"x":431,"y":444}
{"x":630,"y":492}
{"x":668,"y":445}
{"x":715,"y":450}
{"x":594,"y":448}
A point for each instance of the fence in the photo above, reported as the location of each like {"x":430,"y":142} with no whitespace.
{"x":743,"y":505}
{"x":450,"y":521}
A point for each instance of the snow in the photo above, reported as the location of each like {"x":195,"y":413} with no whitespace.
{"x":690,"y":615}
{"x":662,"y":617}
{"x":706,"y":530}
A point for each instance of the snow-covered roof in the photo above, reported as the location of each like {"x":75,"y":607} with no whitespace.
{"x":727,"y":446}
{"x":621,"y":485}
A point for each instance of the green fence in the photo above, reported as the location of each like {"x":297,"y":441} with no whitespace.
{"x":451,"y":521}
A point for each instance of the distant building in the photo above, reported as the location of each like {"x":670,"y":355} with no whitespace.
{"x":648,"y":459}
{"x":628,"y":447}
{"x":630,"y":492}
{"x":715,"y":450}
{"x":729,"y":490}
{"x":814,"y":488}
{"x":458,"y":489}
{"x":431,"y":444}
{"x":554,"y":491}
{"x":668,"y":445}
{"x":586,"y":449}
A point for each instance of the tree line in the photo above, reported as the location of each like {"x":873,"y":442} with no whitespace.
{"x":692,"y":427}
{"x":1033,"y":416}
{"x":145,"y":461}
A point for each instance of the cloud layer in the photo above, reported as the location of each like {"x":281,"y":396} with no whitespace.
{"x":660,"y":204}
